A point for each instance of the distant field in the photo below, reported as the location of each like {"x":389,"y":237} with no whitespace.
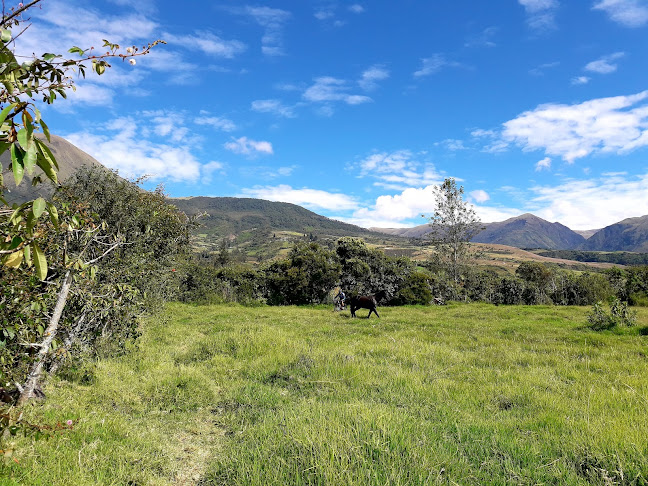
{"x":462,"y":394}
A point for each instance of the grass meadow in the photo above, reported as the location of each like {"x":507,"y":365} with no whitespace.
{"x":460,"y":394}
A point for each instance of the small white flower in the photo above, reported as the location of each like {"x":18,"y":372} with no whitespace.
{"x":129,"y":50}
{"x":132,"y":62}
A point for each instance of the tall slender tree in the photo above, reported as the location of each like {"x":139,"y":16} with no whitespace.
{"x":454,"y":223}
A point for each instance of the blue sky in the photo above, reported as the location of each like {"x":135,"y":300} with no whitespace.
{"x":356,"y":110}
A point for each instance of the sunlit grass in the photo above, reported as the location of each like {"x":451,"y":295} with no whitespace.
{"x":462,"y":394}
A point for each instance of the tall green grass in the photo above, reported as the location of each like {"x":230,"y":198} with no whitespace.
{"x":462,"y":394}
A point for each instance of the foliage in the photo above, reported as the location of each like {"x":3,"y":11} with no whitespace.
{"x":306,"y":277}
{"x":368,"y":271}
{"x":618,"y":316}
{"x":454,"y":223}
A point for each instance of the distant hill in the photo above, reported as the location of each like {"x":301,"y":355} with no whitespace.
{"x":525,"y":231}
{"x":233,"y":215}
{"x":628,"y":235}
{"x":587,"y":233}
{"x":414,"y":232}
{"x":529,"y":231}
{"x":70,"y":159}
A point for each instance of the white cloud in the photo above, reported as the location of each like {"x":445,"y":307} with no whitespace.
{"x":219,"y":123}
{"x":388,"y":210}
{"x":594,"y":203}
{"x":604,"y":65}
{"x":397,"y":170}
{"x":273,"y":20}
{"x":544,"y":164}
{"x":273,"y":106}
{"x":371,"y":76}
{"x":356,"y":8}
{"x":540,"y":70}
{"x":327,"y":89}
{"x":310,"y":198}
{"x":479,"y":196}
{"x":434,"y":64}
{"x":209,"y":169}
{"x":245,"y":146}
{"x":540,"y":14}
{"x":452,"y":144}
{"x":629,"y":13}
{"x":617,"y":124}
{"x":124,"y":148}
{"x":580,"y":80}
{"x":207,"y":43}
{"x":483,"y":39}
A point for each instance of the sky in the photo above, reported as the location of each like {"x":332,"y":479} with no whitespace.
{"x":356,"y":110}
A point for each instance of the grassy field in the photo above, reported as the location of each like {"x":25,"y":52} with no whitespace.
{"x":462,"y":394}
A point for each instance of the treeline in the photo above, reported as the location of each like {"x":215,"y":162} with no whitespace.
{"x":310,"y":271}
{"x":618,"y":258}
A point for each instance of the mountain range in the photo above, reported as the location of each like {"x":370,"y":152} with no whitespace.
{"x":228,"y":216}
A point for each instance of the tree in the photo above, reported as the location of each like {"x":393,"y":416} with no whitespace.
{"x":34,"y":232}
{"x":454,"y":223}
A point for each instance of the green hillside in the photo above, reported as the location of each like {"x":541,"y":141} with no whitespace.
{"x":259,"y":226}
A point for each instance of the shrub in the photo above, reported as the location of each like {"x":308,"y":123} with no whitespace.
{"x":619,"y":315}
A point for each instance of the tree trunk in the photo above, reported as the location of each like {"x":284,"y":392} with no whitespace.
{"x":50,"y":333}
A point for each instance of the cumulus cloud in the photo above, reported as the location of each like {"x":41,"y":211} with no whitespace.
{"x":219,"y":123}
{"x":616,"y":124}
{"x":629,"y":13}
{"x":605,"y":64}
{"x":330,"y":89}
{"x":540,"y":14}
{"x":593,"y":203}
{"x":123,"y":146}
{"x":479,"y":196}
{"x":275,"y":107}
{"x":369,"y":79}
{"x":397,"y":170}
{"x":310,"y":198}
{"x":434,"y":64}
{"x":544,"y":164}
{"x":578,"y":80}
{"x":245,"y":146}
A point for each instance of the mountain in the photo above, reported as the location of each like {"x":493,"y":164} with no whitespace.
{"x":233,"y":216}
{"x":69,"y":158}
{"x":587,"y":233}
{"x":628,"y":235}
{"x":414,"y":232}
{"x":529,"y":231}
{"x":525,"y":231}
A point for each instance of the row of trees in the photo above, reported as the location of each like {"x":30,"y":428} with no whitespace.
{"x":311,"y":271}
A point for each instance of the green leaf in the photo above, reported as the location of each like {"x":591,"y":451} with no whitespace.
{"x":38,"y":207}
{"x":14,"y":259}
{"x":15,"y":242}
{"x":5,"y":112}
{"x":76,"y":50}
{"x":40,"y":262}
{"x":31,"y":158}
{"x":25,"y":138}
{"x":5,"y":36}
{"x":46,"y":131}
{"x":28,"y":258}
{"x":100,"y":69}
{"x":53,"y":214}
{"x":17,"y":163}
{"x":48,"y":56}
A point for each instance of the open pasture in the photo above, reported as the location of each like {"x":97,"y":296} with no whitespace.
{"x":461,"y":394}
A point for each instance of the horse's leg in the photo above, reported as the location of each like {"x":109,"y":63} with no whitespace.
{"x":353,"y":309}
{"x":376,"y":312}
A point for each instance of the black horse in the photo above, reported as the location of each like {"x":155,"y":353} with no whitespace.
{"x":364,"y":302}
